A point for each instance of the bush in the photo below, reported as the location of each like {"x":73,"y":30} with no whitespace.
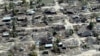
{"x":33,"y":54}
{"x":41,"y":48}
{"x":95,"y":34}
{"x":56,"y":49}
{"x":71,"y":32}
{"x":58,"y":40}
{"x":90,"y":26}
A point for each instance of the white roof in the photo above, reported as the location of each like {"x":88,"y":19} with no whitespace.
{"x":60,"y":43}
{"x":5,"y":33}
{"x":2,"y":51}
{"x":48,"y":45}
{"x":6,"y":18}
{"x":30,"y":11}
{"x":47,"y":7}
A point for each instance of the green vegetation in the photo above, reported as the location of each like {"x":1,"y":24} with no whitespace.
{"x":98,"y":38}
{"x":85,"y":46}
{"x":45,"y":20}
{"x":33,"y":54}
{"x":11,"y":5}
{"x":71,"y":31}
{"x":38,"y":1}
{"x":31,"y":5}
{"x":23,"y":1}
{"x":60,"y":1}
{"x":95,"y":34}
{"x":14,"y":12}
{"x":76,"y":28}
{"x":58,"y":40}
{"x":93,"y":16}
{"x":33,"y":47}
{"x":13,"y":32}
{"x":56,"y":49}
{"x":10,"y":55}
{"x":41,"y":48}
{"x":54,"y":33}
{"x":90,"y":26}
{"x":84,"y":2}
{"x":6,"y":9}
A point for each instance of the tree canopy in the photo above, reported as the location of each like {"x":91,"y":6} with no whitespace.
{"x":90,"y":26}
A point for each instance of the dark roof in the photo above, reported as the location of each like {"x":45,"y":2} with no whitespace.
{"x":87,"y":33}
{"x":84,"y":32}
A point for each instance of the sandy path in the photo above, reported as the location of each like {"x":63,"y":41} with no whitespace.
{"x":1,"y":2}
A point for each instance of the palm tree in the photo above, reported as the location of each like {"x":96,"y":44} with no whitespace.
{"x":14,"y":12}
{"x":31,"y":5}
{"x":11,"y":5}
{"x":5,"y":8}
{"x":14,"y":34}
{"x":55,"y":47}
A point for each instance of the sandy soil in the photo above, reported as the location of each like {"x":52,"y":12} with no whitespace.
{"x":1,"y":2}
